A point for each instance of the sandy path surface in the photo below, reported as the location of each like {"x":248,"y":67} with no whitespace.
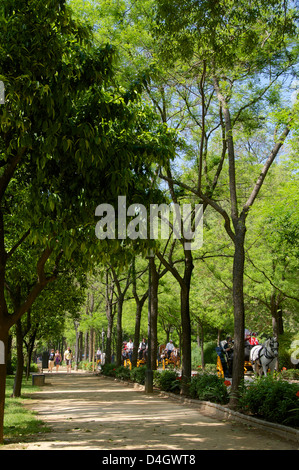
{"x":89,"y":412}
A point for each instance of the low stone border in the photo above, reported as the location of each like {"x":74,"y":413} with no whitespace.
{"x":221,"y":412}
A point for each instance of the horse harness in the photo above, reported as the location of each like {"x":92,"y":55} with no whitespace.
{"x":266,"y":354}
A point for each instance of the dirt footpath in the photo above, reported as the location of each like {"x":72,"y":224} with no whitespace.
{"x":89,"y":412}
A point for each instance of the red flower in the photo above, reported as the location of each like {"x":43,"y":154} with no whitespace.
{"x":227,"y":383}
{"x":297,"y":394}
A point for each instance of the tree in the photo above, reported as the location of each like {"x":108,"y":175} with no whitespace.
{"x":120,"y":293}
{"x":69,"y":133}
{"x":233,"y":45}
{"x":272,"y":259}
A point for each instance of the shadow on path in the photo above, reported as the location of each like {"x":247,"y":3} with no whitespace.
{"x":85,"y":411}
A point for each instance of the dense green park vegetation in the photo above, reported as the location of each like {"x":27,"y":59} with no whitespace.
{"x":173,"y":102}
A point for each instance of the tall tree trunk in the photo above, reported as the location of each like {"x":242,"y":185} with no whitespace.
{"x":119,"y":338}
{"x":239,"y":311}
{"x":91,"y":346}
{"x":200,"y":335}
{"x":120,"y":302}
{"x":9,"y":368}
{"x":110,"y":316}
{"x":186,"y":324}
{"x":3,"y":356}
{"x":276,"y":313}
{"x":80,"y":354}
{"x":277,"y":320}
{"x":185,"y":283}
{"x":77,"y":346}
{"x":30,"y":347}
{"x":89,"y":312}
{"x":154,"y":313}
{"x":86,"y":341}
{"x":139,"y":306}
{"x":20,"y":361}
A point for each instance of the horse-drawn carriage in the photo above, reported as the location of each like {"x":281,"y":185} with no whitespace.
{"x":126,"y":360}
{"x":258,"y":357}
{"x":127,"y":353}
{"x":166,"y":358}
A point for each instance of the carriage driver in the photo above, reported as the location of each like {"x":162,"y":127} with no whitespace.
{"x":169,"y":348}
{"x":228,"y":349}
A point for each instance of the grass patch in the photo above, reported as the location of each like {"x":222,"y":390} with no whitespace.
{"x":18,"y":420}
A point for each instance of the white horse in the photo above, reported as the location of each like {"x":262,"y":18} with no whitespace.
{"x":264,"y":356}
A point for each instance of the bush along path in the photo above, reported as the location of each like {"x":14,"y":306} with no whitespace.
{"x":89,"y":411}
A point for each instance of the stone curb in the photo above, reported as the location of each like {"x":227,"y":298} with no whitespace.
{"x":220,"y":412}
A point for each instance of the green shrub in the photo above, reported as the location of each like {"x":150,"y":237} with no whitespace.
{"x":138,"y":374}
{"x":290,"y":374}
{"x":33,"y":367}
{"x":123,"y":373}
{"x":272,"y":399}
{"x":85,"y":365}
{"x":209,"y":387}
{"x":109,"y":370}
{"x":167,"y":380}
{"x":211,"y":367}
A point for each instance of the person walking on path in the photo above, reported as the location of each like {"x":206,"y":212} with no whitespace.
{"x":68,"y":359}
{"x":57,"y":360}
{"x":51,"y":361}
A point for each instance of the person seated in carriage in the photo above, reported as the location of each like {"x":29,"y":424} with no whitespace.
{"x":250,"y":340}
{"x":169,"y":348}
{"x":130,"y":346}
{"x":124,"y":352}
{"x":253,"y":339}
{"x":142,"y":350}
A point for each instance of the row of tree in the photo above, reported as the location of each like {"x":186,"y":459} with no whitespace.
{"x":220,"y":75}
{"x":118,"y":294}
{"x":170,"y":101}
{"x":70,"y":136}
